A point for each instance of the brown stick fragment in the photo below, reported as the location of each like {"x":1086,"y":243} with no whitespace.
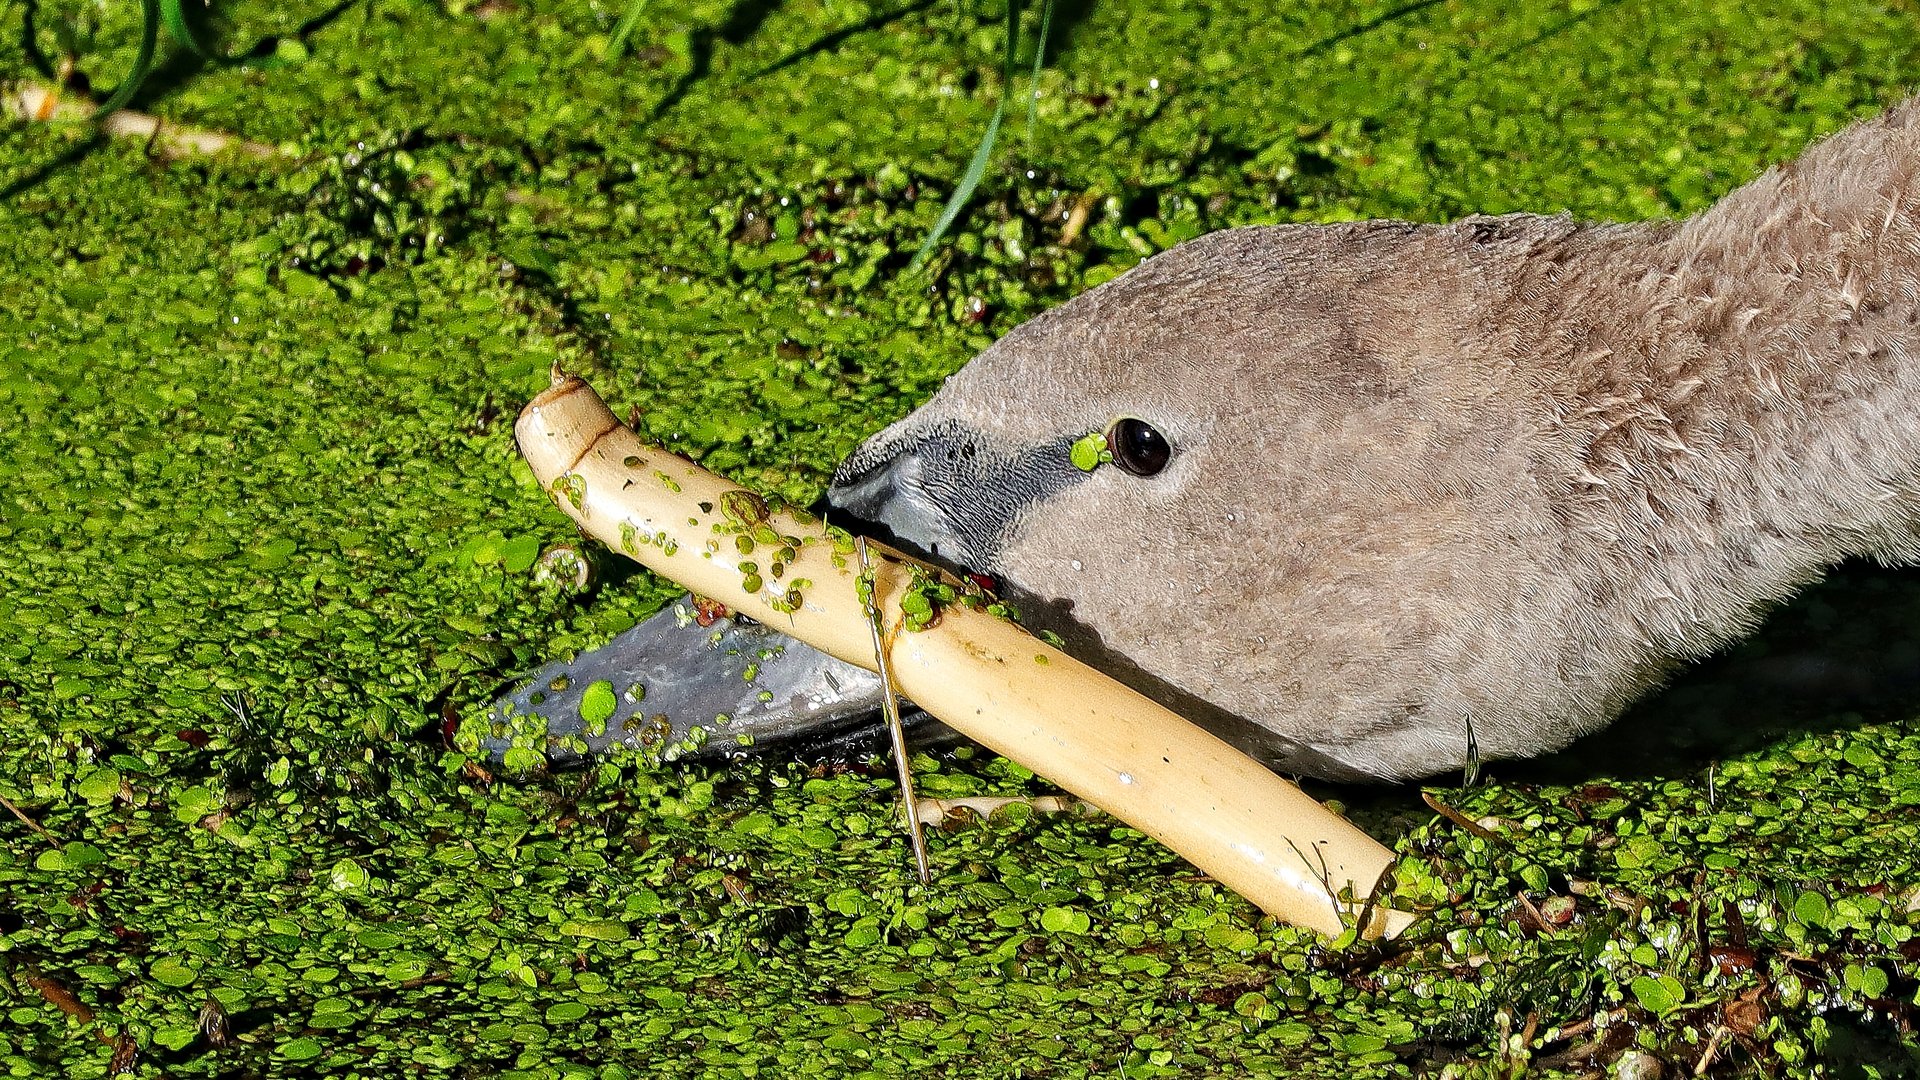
{"x":126,"y":1054}
{"x":1077,"y":216}
{"x":409,"y":984}
{"x":1539,"y":920}
{"x":1457,"y":817}
{"x":61,"y":998}
{"x":29,"y":822}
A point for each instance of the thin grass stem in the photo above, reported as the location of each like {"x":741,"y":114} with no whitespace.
{"x":623,"y":30}
{"x":976,"y":168}
{"x":142,"y":61}
{"x":1039,"y":57}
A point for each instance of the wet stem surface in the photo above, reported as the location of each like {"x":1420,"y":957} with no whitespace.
{"x":262,"y":533}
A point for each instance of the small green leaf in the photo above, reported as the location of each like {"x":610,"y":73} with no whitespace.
{"x":302,"y":285}
{"x":176,"y":1038}
{"x":1861,"y":756}
{"x":1658,"y":993}
{"x":1062,"y":920}
{"x":597,"y":703}
{"x":597,"y":929}
{"x":1089,"y":451}
{"x":301,"y":1050}
{"x":348,"y":876}
{"x":531,"y":255}
{"x":1867,"y":981}
{"x":273,"y":554}
{"x":519,"y":554}
{"x":170,"y":971}
{"x":1812,"y":909}
{"x":192,"y":804}
{"x":76,"y":855}
{"x":101,"y":786}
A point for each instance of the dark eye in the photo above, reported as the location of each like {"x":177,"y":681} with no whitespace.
{"x":1137,"y":447}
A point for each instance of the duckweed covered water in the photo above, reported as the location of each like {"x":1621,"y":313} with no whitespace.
{"x":263,"y":538}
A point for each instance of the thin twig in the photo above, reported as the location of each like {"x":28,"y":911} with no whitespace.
{"x":1539,"y":920}
{"x":1713,"y":1047}
{"x":890,"y":708}
{"x":1457,"y":817}
{"x":29,"y":822}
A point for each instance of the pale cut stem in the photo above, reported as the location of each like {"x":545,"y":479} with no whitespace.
{"x":1223,"y":811}
{"x":890,"y":708}
{"x":989,"y":805}
{"x":41,"y":104}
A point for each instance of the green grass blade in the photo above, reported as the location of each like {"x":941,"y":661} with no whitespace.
{"x":624,"y":28}
{"x":175,"y":18}
{"x":1009,"y":65}
{"x":142,"y":61}
{"x":977,"y":168}
{"x":1039,"y":57}
{"x":956,"y":202}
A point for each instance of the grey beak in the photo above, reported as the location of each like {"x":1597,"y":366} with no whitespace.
{"x":682,"y":690}
{"x":893,"y":495}
{"x":947,"y":491}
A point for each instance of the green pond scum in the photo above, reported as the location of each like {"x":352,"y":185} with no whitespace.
{"x":264,"y":541}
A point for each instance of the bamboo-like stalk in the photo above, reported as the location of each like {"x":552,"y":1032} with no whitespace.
{"x":1221,"y":810}
{"x":33,"y":102}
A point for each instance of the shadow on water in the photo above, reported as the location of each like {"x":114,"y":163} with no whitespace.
{"x":742,"y":22}
{"x":39,"y":174}
{"x":746,"y":17}
{"x":1845,"y":652}
{"x":832,"y":39}
{"x":1385,"y":18}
